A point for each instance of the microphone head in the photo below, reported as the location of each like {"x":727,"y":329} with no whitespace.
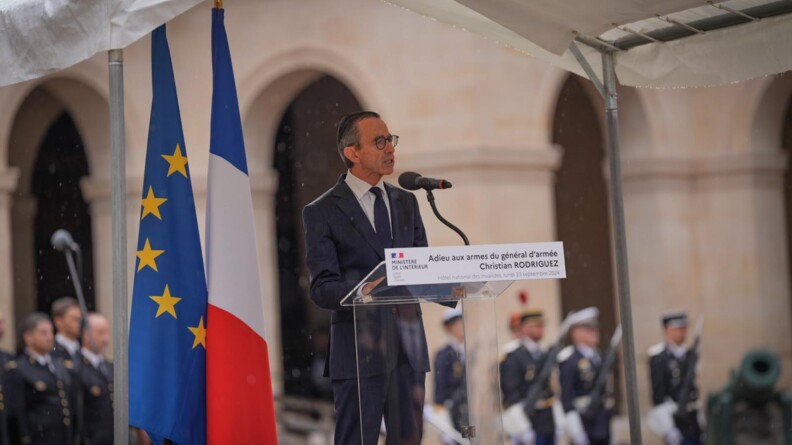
{"x":62,"y":240}
{"x":408,"y":180}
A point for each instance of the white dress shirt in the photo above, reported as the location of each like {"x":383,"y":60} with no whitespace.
{"x":361,"y":190}
{"x":70,"y":345}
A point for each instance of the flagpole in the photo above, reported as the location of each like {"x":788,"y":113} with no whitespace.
{"x":218,"y":4}
{"x":119,"y":209}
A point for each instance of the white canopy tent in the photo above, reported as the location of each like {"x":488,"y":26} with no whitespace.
{"x":674,"y":43}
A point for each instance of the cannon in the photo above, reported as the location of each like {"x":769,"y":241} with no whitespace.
{"x":750,"y":410}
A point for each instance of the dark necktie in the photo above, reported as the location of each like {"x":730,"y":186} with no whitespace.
{"x":381,"y":220}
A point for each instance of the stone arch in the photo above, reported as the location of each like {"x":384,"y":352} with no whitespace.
{"x":771,"y":99}
{"x":634,"y":124}
{"x":264,"y":93}
{"x":269,"y":88}
{"x":31,"y":110}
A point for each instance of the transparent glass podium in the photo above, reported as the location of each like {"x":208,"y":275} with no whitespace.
{"x":390,"y":343}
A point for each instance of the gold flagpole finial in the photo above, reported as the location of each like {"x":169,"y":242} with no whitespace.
{"x":218,"y":4}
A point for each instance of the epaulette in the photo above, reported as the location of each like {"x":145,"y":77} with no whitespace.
{"x":510,"y":346}
{"x":10,"y":365}
{"x":656,"y":349}
{"x":565,"y":354}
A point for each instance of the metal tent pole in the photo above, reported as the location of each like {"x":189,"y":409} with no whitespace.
{"x":120,"y":307}
{"x":620,"y":244}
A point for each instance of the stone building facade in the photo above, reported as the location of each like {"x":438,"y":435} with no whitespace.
{"x":707,"y":188}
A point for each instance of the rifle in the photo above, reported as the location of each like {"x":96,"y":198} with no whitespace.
{"x":543,"y":376}
{"x":683,"y":396}
{"x":596,"y":399}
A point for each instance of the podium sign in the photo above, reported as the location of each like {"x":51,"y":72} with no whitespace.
{"x":493,"y":262}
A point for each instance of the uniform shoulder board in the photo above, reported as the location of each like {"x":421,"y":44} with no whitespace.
{"x":565,"y":354}
{"x":11,"y":365}
{"x":510,"y":346}
{"x":656,"y":349}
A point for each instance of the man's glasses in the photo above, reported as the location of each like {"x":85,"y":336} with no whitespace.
{"x":382,"y":141}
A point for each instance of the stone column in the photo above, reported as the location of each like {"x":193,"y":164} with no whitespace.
{"x":743,"y":261}
{"x":8,"y":184}
{"x":708,"y":235}
{"x":499,"y":195}
{"x":97,"y":193}
{"x":263,"y":188}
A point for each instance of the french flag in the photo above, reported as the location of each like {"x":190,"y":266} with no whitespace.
{"x":240,"y":407}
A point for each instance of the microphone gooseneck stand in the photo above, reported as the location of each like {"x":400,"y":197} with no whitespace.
{"x":84,"y":327}
{"x":430,"y":197}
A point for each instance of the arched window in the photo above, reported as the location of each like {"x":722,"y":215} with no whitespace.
{"x":308,"y":164}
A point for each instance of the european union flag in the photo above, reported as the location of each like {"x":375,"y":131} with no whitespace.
{"x":167,"y":345}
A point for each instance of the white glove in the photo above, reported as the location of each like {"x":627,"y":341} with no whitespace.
{"x":444,"y":416}
{"x":526,"y":438}
{"x":515,"y":422}
{"x":574,"y":425}
{"x":674,"y":437}
{"x":661,"y":418}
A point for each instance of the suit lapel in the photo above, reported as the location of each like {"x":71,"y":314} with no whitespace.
{"x":350,"y":206}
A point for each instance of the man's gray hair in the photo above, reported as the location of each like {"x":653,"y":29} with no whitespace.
{"x":348,"y":134}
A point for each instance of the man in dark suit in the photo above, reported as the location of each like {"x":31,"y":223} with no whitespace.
{"x":346,"y":232}
{"x":579,"y":365}
{"x":38,"y":390}
{"x":518,"y":371}
{"x":668,"y":363}
{"x":97,"y":383}
{"x":449,"y":371}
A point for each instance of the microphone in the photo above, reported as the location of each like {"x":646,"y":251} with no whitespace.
{"x":62,"y":241}
{"x":414,"y":181}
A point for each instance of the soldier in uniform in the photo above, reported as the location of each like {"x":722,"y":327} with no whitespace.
{"x":3,"y":422}
{"x":579,"y":364}
{"x":668,"y":364}
{"x":450,"y":390}
{"x":67,"y":316}
{"x":38,"y":390}
{"x":97,"y":383}
{"x":518,"y":370}
{"x":5,"y":356}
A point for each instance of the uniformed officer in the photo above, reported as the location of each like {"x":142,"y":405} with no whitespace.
{"x":5,"y":356}
{"x":450,"y":390}
{"x":668,"y":363}
{"x":518,"y":370}
{"x":579,"y":364}
{"x":97,"y":383}
{"x":67,"y":317}
{"x":38,"y":390}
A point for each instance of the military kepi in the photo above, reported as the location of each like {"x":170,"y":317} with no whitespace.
{"x":450,"y":315}
{"x":675,"y":320}
{"x":587,"y":317}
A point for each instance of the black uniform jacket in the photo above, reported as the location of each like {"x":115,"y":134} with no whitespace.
{"x":518,"y":371}
{"x":667,"y":372}
{"x":39,"y":402}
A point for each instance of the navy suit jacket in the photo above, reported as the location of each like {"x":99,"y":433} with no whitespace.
{"x":341,"y":249}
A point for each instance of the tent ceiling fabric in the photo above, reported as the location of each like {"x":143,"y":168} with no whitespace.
{"x":544,"y":29}
{"x":38,"y":37}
